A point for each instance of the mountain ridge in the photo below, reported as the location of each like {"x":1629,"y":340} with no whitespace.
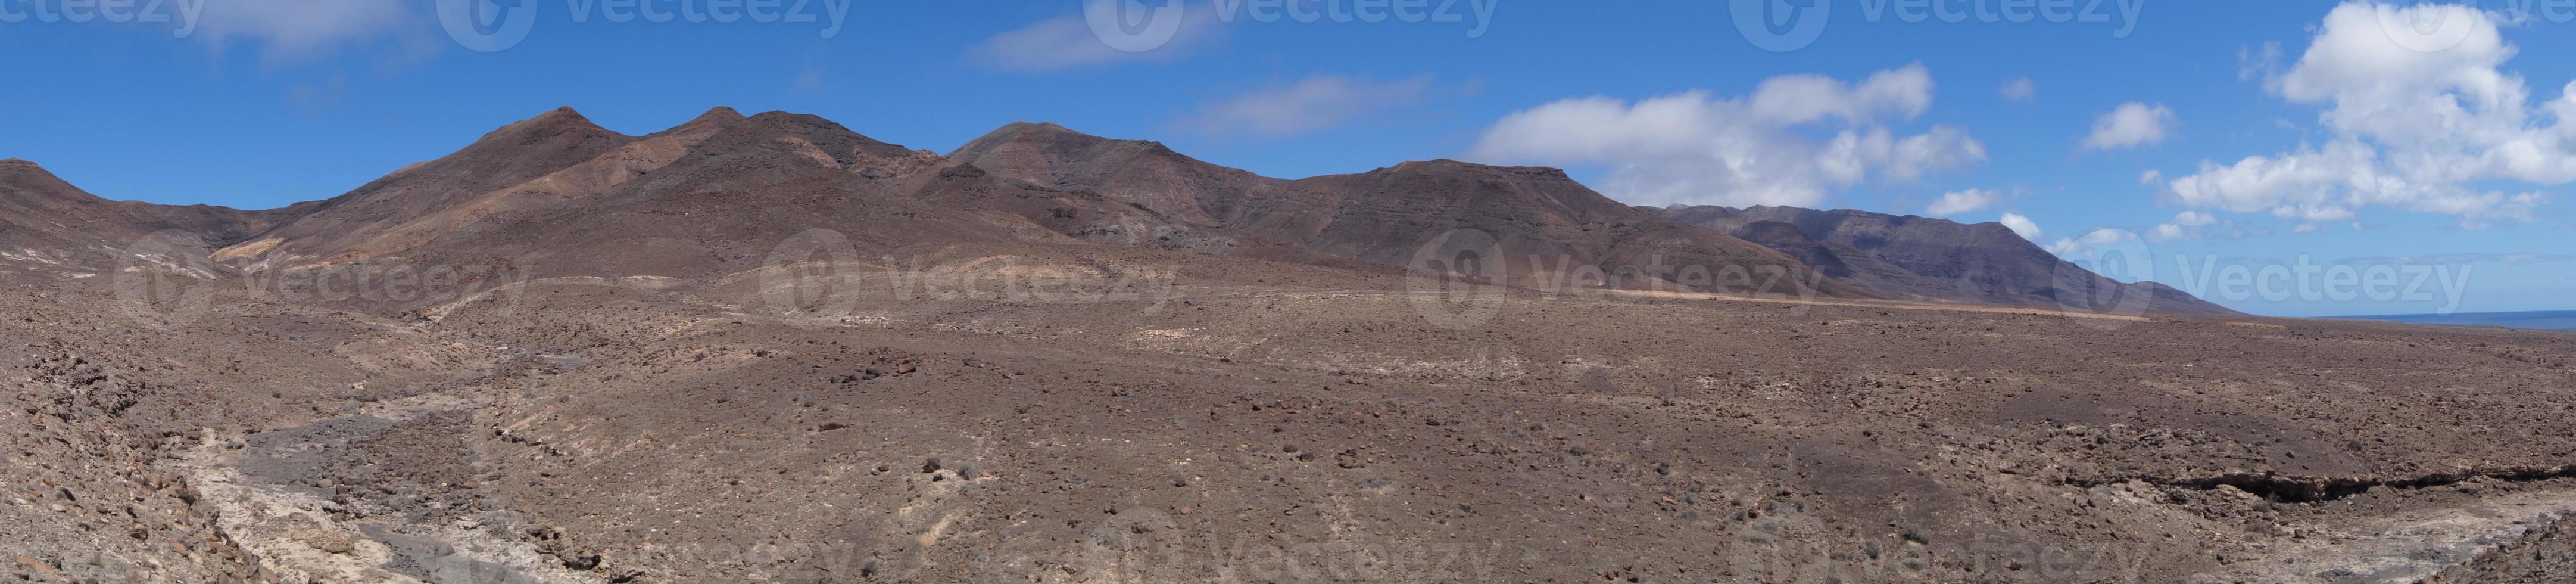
{"x":1927,"y":258}
{"x":697,"y":198}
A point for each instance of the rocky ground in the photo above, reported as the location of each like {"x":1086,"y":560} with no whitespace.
{"x":1285,"y":423}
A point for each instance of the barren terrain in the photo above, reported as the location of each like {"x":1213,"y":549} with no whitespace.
{"x":769,"y":349}
{"x":1285,"y":424}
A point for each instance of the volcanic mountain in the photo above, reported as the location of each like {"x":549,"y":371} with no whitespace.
{"x":343,"y":227}
{"x":1936,"y":259}
{"x":714,"y":196}
{"x":1148,"y":174}
{"x":566,"y":197}
{"x":45,"y":221}
{"x":1543,"y":224}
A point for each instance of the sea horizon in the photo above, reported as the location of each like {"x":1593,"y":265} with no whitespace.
{"x":2559,"y":320}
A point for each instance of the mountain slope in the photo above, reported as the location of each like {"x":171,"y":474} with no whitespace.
{"x":1545,"y":223}
{"x":1934,"y":259}
{"x":1185,"y":189}
{"x":47,"y":222}
{"x":340,"y":228}
{"x":732,"y":189}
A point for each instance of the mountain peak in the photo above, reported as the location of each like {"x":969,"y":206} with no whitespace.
{"x":560,"y":125}
{"x":20,"y":170}
{"x":1449,"y":165}
{"x":811,"y":135}
{"x":18,"y":175}
{"x":560,"y":115}
{"x":714,"y":120}
{"x":719,"y":114}
{"x":1049,"y":133}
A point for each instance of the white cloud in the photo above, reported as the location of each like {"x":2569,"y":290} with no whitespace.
{"x":1957,"y":202}
{"x":1316,"y":103}
{"x":2252,"y":63}
{"x":1799,"y":99}
{"x":2019,"y":89}
{"x":2022,"y":226}
{"x":1697,"y":148}
{"x":2150,"y":177}
{"x":2185,"y":225}
{"x":2097,"y":238}
{"x":2131,"y":125}
{"x":299,"y":28}
{"x":2418,"y":119}
{"x":1068,"y":42}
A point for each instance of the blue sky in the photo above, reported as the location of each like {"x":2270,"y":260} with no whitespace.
{"x":260,"y":103}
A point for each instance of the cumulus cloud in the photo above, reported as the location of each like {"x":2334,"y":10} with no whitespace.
{"x":2019,"y":89}
{"x":1316,"y":103}
{"x":1970,"y":200}
{"x":2185,"y":225}
{"x":2131,"y":125}
{"x":1068,"y":42}
{"x":2254,"y":63}
{"x":2022,"y":226}
{"x":1698,"y":148}
{"x":2419,"y":119}
{"x":300,"y":28}
{"x":2095,"y":239}
{"x":2150,"y":177}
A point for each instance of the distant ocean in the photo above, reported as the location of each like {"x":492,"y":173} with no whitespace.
{"x":2564,"y":320}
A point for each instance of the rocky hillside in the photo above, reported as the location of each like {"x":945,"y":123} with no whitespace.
{"x":1920,"y":258}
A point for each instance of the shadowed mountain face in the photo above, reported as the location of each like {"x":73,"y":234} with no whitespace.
{"x":714,"y":196}
{"x":354,"y":225}
{"x":1148,"y":174}
{"x":46,"y":221}
{"x":1922,"y":258}
{"x":1543,"y":222}
{"x":707,"y":198}
{"x":1545,"y":226}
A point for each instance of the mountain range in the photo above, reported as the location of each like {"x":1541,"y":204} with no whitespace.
{"x":711,"y":197}
{"x":1920,"y":258}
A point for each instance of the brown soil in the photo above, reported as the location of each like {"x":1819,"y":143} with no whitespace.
{"x":769,"y":349}
{"x":1271,"y":425}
